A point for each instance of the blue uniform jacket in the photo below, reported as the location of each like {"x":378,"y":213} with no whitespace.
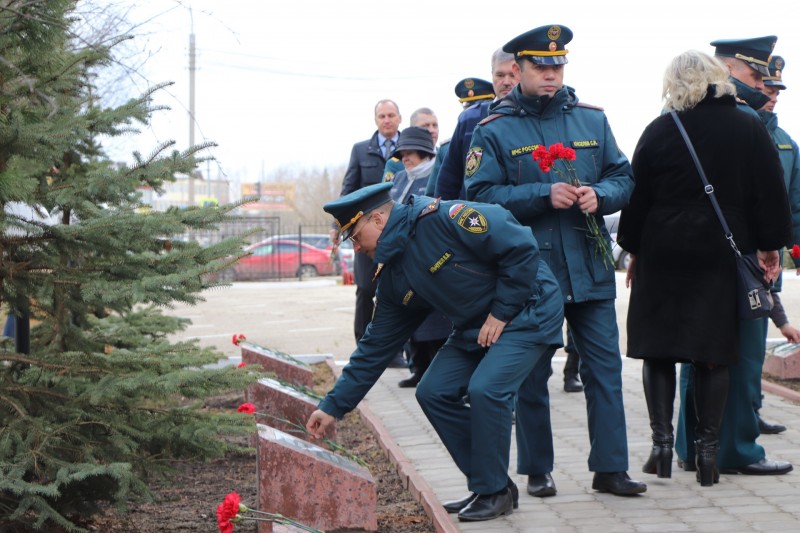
{"x":790,"y":161}
{"x":450,"y":181}
{"x":501,"y":170}
{"x":441,"y":153}
{"x":465,"y":260}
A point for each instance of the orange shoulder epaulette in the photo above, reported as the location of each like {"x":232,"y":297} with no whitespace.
{"x":590,"y":106}
{"x":491,"y":118}
{"x":430,"y":208}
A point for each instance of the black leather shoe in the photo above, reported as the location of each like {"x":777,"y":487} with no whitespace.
{"x":769,"y":429}
{"x":488,"y":507}
{"x":618,"y":483}
{"x":409,"y":383}
{"x":688,"y":466}
{"x":572,"y":383}
{"x":454,"y":506}
{"x":541,"y":485}
{"x":764,"y":467}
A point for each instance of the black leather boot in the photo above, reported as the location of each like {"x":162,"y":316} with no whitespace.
{"x":710,"y":396}
{"x":658,"y":379}
{"x":707,"y":472}
{"x":572,"y":380}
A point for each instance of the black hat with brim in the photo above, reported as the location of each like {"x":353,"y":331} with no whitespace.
{"x":415,"y":138}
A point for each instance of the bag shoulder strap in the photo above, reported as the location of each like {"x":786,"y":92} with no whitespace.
{"x":709,"y":189}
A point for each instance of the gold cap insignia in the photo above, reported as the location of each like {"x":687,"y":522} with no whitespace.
{"x":469,"y":83}
{"x":554,"y":32}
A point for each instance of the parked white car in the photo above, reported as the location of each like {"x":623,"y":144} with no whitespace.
{"x":621,"y":258}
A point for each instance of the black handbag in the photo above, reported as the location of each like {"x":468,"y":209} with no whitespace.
{"x":753,"y":295}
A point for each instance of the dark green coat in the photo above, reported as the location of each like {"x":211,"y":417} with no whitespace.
{"x":463,"y":259}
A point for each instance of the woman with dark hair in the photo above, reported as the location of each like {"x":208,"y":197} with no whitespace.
{"x":683,"y":273}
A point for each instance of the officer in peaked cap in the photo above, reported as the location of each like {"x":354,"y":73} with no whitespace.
{"x":790,"y":161}
{"x":755,"y":52}
{"x":544,"y":45}
{"x":348,"y":210}
{"x":471,"y":90}
{"x":478,"y":266}
{"x":775,"y":78}
{"x":748,"y":63}
{"x":539,"y":112}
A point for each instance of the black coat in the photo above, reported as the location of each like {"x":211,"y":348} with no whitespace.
{"x":682,"y":302}
{"x":365,"y":168}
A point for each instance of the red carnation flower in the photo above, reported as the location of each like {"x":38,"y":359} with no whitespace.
{"x":544,"y":158}
{"x":248,"y":408}
{"x":238,"y":338}
{"x":559,"y":151}
{"x":795,"y":252}
{"x":241,"y":365}
{"x":227,"y":511}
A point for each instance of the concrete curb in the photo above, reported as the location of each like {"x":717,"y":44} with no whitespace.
{"x":780,"y":390}
{"x":416,"y":484}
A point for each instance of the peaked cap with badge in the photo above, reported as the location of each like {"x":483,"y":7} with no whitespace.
{"x":473,"y":89}
{"x":755,"y":52}
{"x":776,"y":65}
{"x":348,"y":209}
{"x":543,"y":45}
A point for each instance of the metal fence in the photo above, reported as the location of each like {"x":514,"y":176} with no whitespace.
{"x":276,"y":251}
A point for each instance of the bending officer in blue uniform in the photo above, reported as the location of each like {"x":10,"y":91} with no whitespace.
{"x":478,"y":266}
{"x":542,"y":111}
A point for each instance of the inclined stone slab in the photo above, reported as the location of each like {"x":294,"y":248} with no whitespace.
{"x":783,"y":361}
{"x":282,"y":365}
{"x":312,"y":485}
{"x":283,"y":403}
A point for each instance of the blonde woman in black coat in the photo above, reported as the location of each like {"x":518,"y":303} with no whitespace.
{"x":683,"y":276}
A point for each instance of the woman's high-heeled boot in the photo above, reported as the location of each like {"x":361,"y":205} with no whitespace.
{"x":707,"y":472}
{"x":710,"y":396}
{"x":658,"y":379}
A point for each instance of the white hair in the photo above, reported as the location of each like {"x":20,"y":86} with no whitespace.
{"x":688,"y":77}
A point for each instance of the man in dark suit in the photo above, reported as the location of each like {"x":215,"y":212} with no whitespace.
{"x":366,"y":168}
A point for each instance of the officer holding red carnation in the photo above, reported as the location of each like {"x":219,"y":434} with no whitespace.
{"x":540,"y":112}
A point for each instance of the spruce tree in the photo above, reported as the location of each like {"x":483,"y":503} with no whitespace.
{"x":104,"y":398}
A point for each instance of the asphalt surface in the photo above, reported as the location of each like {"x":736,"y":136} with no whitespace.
{"x":315,"y":316}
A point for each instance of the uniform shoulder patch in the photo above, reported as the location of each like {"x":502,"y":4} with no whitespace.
{"x":388,"y":176}
{"x":430,"y":208}
{"x":473,"y":221}
{"x":590,"y":106}
{"x":455,"y":209}
{"x":473,"y":161}
{"x":490,"y":118}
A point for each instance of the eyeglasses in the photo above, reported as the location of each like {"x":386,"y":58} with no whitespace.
{"x":353,"y":236}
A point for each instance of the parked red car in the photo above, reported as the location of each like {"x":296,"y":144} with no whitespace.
{"x":279,"y":258}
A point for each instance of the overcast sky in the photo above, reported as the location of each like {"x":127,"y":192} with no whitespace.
{"x":294,"y":83}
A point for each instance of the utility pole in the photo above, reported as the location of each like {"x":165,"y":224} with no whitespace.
{"x":191,"y":105}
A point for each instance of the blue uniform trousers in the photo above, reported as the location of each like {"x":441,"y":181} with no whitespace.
{"x":739,"y":429}
{"x":594,"y":329}
{"x":478,"y":435}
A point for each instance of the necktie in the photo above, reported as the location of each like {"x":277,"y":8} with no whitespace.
{"x":387,"y":148}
